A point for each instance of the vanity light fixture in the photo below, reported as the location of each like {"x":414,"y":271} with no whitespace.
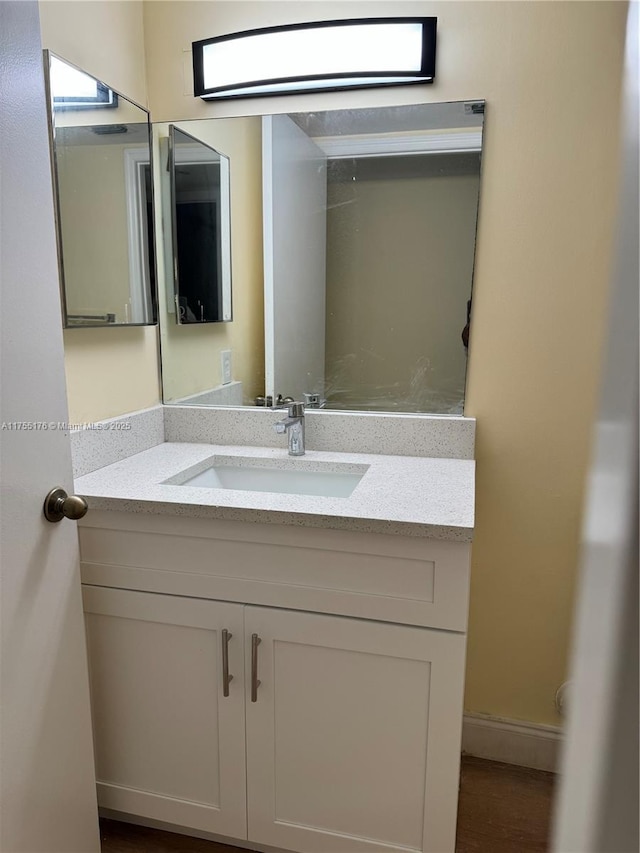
{"x":72,"y":89}
{"x":313,"y":57}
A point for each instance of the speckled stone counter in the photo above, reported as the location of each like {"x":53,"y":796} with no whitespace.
{"x":415,"y":496}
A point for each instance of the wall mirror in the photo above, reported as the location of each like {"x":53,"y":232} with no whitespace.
{"x":200,"y":228}
{"x":353,"y":240}
{"x":101,"y":163}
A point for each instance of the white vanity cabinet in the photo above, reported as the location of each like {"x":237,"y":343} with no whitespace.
{"x":168,"y":744}
{"x":351,"y":745}
{"x":351,"y":739}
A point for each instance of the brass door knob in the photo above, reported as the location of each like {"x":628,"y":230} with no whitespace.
{"x":58,"y":505}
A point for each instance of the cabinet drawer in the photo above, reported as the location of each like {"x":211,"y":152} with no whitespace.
{"x":403,"y":579}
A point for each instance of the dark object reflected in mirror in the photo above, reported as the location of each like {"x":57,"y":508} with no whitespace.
{"x":103,"y":197}
{"x":200,"y":225}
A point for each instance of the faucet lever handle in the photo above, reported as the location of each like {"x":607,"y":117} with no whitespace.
{"x":295,"y":409}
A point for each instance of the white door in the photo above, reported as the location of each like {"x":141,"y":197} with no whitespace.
{"x":294,"y":181}
{"x":353,"y":740}
{"x":597,"y":806}
{"x":169,"y":744}
{"x":47,"y":788}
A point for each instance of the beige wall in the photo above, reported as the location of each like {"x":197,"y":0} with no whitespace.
{"x":550,"y":74}
{"x":109,"y":371}
{"x":103,"y":37}
{"x":191,"y":354}
{"x":400,"y":245}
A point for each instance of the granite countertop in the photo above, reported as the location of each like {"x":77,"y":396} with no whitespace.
{"x":406,"y":495}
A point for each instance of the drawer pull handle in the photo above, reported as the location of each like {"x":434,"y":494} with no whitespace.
{"x":226,"y":678}
{"x":255,"y":683}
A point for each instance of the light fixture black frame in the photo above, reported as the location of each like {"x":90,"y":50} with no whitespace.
{"x":427,"y":65}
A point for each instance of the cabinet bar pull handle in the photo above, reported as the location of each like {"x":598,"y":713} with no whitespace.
{"x":226,"y":678}
{"x":255,"y":683}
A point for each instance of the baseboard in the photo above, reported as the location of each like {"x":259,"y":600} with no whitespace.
{"x":526,"y":744}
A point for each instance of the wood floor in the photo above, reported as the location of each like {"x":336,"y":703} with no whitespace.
{"x":503,"y":809}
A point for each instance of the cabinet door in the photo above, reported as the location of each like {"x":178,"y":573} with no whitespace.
{"x":169,"y":744}
{"x":353,"y":742}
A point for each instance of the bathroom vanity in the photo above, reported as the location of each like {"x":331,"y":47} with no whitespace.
{"x":283,"y":670}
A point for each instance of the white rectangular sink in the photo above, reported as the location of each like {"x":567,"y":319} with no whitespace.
{"x":281,"y":476}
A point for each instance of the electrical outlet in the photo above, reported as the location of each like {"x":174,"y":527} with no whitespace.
{"x":225,"y":357}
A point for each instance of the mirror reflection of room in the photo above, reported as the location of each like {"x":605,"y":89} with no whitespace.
{"x":101,"y":147}
{"x":214,"y":363}
{"x":200,"y":230}
{"x":362,"y":263}
{"x":400,"y":247}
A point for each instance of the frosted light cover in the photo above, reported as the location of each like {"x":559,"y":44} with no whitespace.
{"x":72,"y":89}
{"x":69,"y":82}
{"x":332,"y":55}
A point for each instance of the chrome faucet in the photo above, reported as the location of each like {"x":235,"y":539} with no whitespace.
{"x":293,"y":425}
